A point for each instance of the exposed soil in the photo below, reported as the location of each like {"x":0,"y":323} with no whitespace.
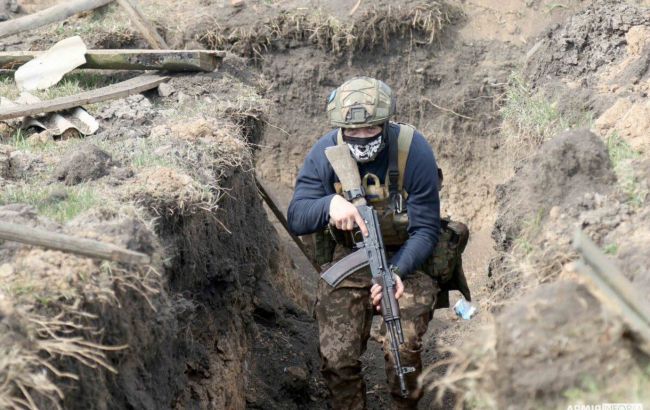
{"x":85,"y":164}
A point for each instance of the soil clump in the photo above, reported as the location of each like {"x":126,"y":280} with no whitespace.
{"x":86,"y":163}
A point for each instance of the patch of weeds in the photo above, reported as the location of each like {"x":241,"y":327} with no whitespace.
{"x":611,"y":249}
{"x":531,"y":116}
{"x":111,"y":22}
{"x":531,"y":228}
{"x":8,"y":87}
{"x":621,"y":156}
{"x":144,"y":156}
{"x":587,"y":388}
{"x":55,"y":201}
{"x":631,"y":388}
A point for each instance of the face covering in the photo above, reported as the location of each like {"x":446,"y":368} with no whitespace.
{"x":365,"y":149}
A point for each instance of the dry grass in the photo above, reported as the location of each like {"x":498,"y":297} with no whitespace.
{"x":468,"y":373}
{"x":421,"y":23}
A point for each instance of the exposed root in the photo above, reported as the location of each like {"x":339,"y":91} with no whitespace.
{"x":467,"y":373}
{"x":39,"y":328}
{"x":422,"y":23}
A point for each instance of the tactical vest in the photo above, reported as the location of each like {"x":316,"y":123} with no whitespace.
{"x":388,"y":199}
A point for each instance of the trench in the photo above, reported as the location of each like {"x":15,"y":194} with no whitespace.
{"x":470,"y":159}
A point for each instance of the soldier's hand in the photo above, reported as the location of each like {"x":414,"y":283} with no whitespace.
{"x":375,"y":292}
{"x":344,"y":215}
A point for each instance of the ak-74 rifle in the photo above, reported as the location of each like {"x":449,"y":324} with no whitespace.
{"x":371,"y":252}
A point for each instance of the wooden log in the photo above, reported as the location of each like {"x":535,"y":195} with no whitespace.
{"x":50,"y":15}
{"x":167,"y":60}
{"x":148,"y":32}
{"x":114,"y":91}
{"x":613,"y":288}
{"x":67,"y":243}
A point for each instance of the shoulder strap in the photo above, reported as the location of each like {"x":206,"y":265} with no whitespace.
{"x":398,"y":152}
{"x":404,"y":140}
{"x":339,"y":137}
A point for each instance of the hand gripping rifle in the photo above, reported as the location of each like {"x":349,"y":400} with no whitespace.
{"x":371,"y":253}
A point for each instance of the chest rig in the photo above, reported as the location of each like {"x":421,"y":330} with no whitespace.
{"x":388,"y":199}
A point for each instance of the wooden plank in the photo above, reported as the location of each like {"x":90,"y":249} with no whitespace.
{"x":67,"y":243}
{"x":148,"y":32}
{"x":613,"y":288}
{"x":167,"y":60}
{"x":50,"y":15}
{"x":111,"y":92}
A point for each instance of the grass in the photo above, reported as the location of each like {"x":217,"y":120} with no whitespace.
{"x":110,"y":21}
{"x":72,"y":83}
{"x":632,"y":388}
{"x":622,"y":156}
{"x":55,"y":201}
{"x":531,"y":116}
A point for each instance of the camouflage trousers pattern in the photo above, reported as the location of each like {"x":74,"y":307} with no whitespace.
{"x":344,"y":317}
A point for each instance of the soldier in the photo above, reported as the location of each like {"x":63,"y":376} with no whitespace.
{"x":400,"y":179}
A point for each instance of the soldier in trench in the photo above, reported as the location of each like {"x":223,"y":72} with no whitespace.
{"x":401,"y":181}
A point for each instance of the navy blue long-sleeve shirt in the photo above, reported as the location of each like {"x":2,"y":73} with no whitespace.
{"x":309,"y":208}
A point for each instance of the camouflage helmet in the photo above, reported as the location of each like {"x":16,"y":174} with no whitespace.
{"x":360,"y":102}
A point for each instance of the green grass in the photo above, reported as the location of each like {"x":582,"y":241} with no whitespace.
{"x":144,"y":156}
{"x":111,"y":20}
{"x":611,"y":249}
{"x":55,"y":201}
{"x":632,"y":388}
{"x":72,"y":83}
{"x":533,"y":116}
{"x":621,"y":156}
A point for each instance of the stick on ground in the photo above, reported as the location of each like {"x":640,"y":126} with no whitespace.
{"x":67,"y":243}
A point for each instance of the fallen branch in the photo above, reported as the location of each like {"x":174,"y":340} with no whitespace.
{"x":67,"y":243}
{"x":149,"y":33}
{"x":50,"y":15}
{"x":167,"y":60}
{"x":114,"y":91}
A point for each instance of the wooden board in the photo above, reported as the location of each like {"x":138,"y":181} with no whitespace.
{"x":167,"y":60}
{"x":111,"y":92}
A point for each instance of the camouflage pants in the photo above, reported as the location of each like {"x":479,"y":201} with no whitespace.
{"x":344,"y":318}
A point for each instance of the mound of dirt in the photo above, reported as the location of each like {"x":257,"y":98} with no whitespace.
{"x":553,"y":338}
{"x":564,"y":169}
{"x":86,"y":163}
{"x":587,"y":43}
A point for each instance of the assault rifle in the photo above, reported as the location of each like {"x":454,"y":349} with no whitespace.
{"x":371,"y":252}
